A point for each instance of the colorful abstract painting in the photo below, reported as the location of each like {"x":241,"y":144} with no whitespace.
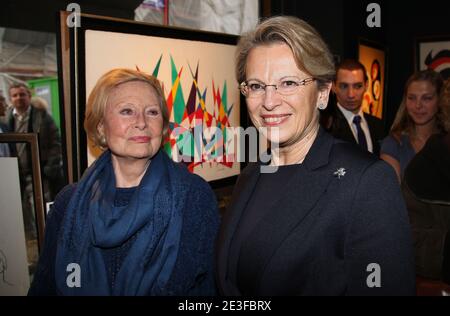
{"x":190,"y":115}
{"x":373,"y":60}
{"x":200,"y":90}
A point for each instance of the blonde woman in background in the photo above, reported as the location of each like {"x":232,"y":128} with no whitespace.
{"x":419,"y":116}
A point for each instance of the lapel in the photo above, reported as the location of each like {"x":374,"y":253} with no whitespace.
{"x":31,"y":120}
{"x":341,"y":128}
{"x":11,"y":122}
{"x":241,"y":195}
{"x":287,"y":212}
{"x":375,"y":130}
{"x":270,"y":232}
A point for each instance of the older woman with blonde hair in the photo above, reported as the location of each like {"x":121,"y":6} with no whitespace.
{"x":419,"y":116}
{"x":331,"y":219}
{"x":136,"y":223}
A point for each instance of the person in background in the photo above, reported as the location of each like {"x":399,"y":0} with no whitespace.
{"x":426,"y":188}
{"x":136,"y":223}
{"x":345,"y":119}
{"x":4,"y":147}
{"x":314,"y":226}
{"x":23,"y":118}
{"x":419,"y":116}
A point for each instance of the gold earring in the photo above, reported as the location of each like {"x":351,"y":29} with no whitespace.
{"x":103,"y":141}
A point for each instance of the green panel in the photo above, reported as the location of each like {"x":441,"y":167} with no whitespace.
{"x":53,"y":99}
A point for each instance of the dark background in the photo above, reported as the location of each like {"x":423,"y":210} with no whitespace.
{"x":341,"y":22}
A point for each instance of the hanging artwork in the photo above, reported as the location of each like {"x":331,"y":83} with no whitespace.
{"x":434,"y":53}
{"x":196,"y":70}
{"x":373,"y":59}
{"x":19,"y":247}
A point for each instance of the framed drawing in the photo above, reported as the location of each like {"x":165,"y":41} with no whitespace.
{"x":433,"y":53}
{"x":196,"y":70}
{"x":19,"y":246}
{"x":373,"y":57}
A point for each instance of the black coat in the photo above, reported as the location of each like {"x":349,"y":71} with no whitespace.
{"x":320,"y":237}
{"x":426,"y":188}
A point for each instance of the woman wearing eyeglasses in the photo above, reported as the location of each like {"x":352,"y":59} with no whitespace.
{"x":331,"y":219}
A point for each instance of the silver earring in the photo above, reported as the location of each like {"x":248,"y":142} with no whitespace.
{"x":321,"y":106}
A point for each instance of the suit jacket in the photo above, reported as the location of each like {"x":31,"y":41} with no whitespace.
{"x":328,"y":233}
{"x":340,"y":129}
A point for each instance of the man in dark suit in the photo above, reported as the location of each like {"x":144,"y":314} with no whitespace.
{"x":345,"y":119}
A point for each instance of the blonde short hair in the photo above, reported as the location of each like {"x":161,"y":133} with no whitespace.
{"x":96,"y":105}
{"x":310,"y":51}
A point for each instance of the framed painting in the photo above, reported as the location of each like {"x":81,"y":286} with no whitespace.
{"x":196,"y":69}
{"x":22,"y":224}
{"x":433,"y":53}
{"x":373,"y":57}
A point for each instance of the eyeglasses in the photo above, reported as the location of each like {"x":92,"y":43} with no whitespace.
{"x":256,"y":89}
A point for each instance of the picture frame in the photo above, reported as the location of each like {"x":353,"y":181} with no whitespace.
{"x":31,"y":139}
{"x":19,"y":245}
{"x":373,"y":56}
{"x":195,"y":68}
{"x":433,"y":52}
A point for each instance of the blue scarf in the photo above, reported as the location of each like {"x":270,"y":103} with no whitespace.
{"x":92,"y":222}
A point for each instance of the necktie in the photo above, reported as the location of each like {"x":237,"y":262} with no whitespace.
{"x":361,"y":136}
